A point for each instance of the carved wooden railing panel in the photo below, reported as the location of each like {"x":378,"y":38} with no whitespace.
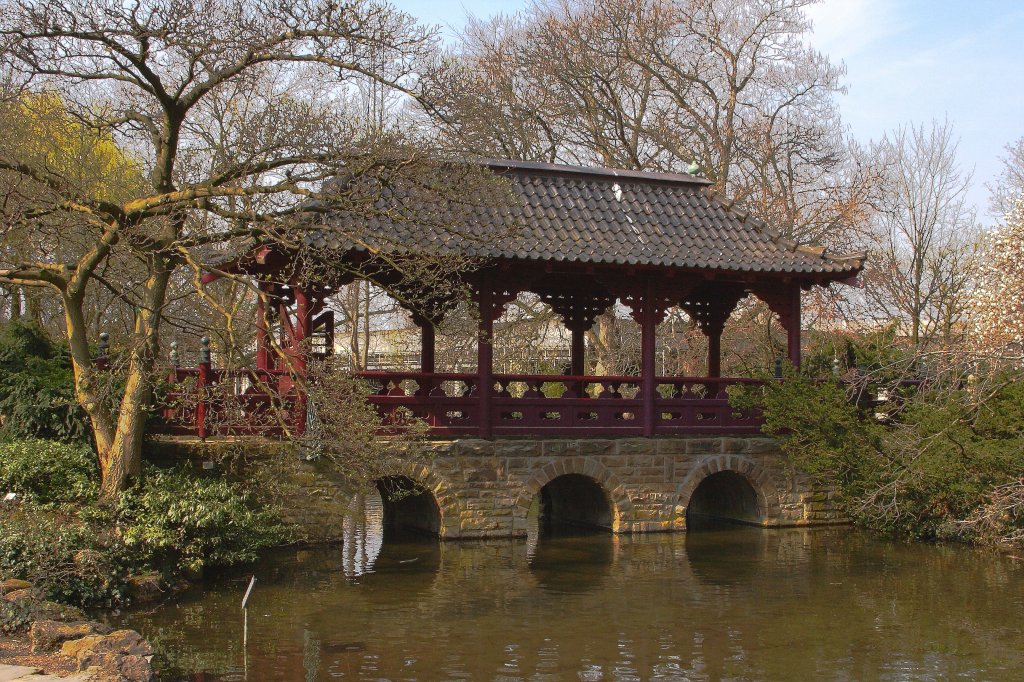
{"x":204,"y":401}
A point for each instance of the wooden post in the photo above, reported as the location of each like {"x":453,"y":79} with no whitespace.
{"x":202,"y":381}
{"x":262,"y":346}
{"x":578,"y":350}
{"x":485,"y":355}
{"x":427,"y":341}
{"x":793,"y":329}
{"x":303,"y":322}
{"x":715,"y":352}
{"x":648,"y":330}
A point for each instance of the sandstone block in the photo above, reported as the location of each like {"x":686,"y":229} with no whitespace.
{"x":671,"y":446}
{"x":49,"y":635}
{"x":735,"y":445}
{"x":702,"y":446}
{"x":560,"y":448}
{"x":594,"y":447}
{"x":518,"y":449}
{"x":761,"y":445}
{"x":638,"y":447}
{"x":12,"y":584}
{"x":22,"y":596}
{"x":477,"y":475}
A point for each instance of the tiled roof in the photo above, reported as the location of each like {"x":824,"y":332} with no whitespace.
{"x":595,"y":215}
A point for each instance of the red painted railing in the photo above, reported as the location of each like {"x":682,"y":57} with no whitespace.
{"x":216,"y":402}
{"x":530,"y":404}
{"x":204,"y":401}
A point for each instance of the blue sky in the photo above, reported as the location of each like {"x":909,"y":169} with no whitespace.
{"x":908,"y":61}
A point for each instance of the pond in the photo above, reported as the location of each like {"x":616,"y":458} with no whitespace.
{"x":719,"y":603}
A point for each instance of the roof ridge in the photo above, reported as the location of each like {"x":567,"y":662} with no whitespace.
{"x":593,"y":171}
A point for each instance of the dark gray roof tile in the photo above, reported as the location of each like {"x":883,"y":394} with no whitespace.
{"x":577,"y":214}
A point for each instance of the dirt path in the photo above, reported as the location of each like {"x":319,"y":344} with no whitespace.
{"x":16,"y":650}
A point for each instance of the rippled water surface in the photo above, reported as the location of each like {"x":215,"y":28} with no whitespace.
{"x":729,"y":603}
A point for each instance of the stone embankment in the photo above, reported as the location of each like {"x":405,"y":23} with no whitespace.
{"x":62,"y":638}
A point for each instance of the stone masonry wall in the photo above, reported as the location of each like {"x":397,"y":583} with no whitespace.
{"x":485,"y":488}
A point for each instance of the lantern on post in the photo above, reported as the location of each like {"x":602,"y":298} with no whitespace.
{"x":102,"y":359}
{"x":202,"y":382}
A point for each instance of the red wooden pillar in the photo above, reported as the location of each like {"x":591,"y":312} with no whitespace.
{"x":714,"y":352}
{"x":578,"y":350}
{"x":301,"y":331}
{"x":427,"y":343}
{"x":648,"y":385}
{"x":262,"y":343}
{"x":793,"y":328}
{"x":485,"y":355}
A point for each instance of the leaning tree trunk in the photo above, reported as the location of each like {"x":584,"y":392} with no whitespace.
{"x":121,"y":462}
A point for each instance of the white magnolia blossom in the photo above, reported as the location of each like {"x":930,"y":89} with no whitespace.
{"x":998,"y":301}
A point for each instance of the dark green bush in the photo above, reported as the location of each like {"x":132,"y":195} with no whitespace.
{"x":181,"y":524}
{"x":48,"y":472}
{"x":924,"y":471}
{"x":80,"y":552}
{"x":70,"y":560}
{"x":37,"y":387}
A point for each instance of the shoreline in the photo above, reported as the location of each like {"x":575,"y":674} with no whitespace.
{"x":16,"y":649}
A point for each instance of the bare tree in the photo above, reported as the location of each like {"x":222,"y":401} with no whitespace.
{"x":730,"y":85}
{"x":1008,"y":188}
{"x":234,"y":112}
{"x":920,"y":260}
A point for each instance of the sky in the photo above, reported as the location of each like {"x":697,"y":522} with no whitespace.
{"x":908,"y":61}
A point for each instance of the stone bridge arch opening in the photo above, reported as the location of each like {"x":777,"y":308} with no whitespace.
{"x":574,"y":503}
{"x":725,"y":496}
{"x":408,"y":508}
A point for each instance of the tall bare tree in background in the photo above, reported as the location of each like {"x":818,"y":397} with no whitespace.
{"x":1008,"y":188}
{"x":920,"y":267}
{"x":656,"y":85}
{"x":730,"y":85}
{"x":234,"y":112}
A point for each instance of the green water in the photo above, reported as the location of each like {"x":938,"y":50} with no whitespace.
{"x":727,"y":604}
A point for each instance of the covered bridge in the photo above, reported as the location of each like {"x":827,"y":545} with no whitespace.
{"x":581,"y":239}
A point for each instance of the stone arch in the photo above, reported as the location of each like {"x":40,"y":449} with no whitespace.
{"x":757,"y":476}
{"x":622,"y":506}
{"x":446,"y":500}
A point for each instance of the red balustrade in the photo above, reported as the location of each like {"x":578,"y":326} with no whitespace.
{"x":531,"y":404}
{"x":206,"y":402}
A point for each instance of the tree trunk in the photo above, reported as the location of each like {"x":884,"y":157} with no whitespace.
{"x":121,"y":462}
{"x":603,"y":342}
{"x":87,"y":389}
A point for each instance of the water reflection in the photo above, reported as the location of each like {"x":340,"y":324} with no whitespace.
{"x":572,"y":560}
{"x":363,"y":536}
{"x":724,"y":553}
{"x":735,"y":603}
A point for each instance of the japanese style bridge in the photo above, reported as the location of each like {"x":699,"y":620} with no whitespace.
{"x":629,"y":453}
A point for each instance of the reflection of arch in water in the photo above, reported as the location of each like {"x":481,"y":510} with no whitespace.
{"x":577,"y":491}
{"x":578,"y":563}
{"x":726,"y":553}
{"x":363,"y":533}
{"x":730,"y":488}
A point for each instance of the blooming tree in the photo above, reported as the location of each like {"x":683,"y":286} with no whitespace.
{"x":998,"y":302}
